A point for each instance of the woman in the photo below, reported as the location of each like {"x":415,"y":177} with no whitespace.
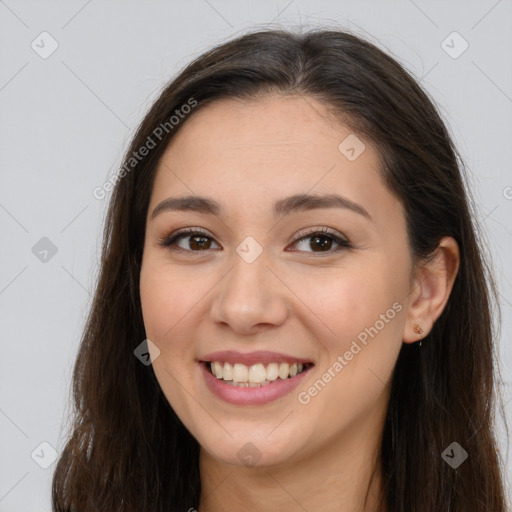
{"x":290,"y":244}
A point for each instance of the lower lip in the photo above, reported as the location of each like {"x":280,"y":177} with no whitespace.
{"x":251,"y":396}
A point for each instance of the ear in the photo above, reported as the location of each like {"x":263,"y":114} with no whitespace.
{"x":430,"y":289}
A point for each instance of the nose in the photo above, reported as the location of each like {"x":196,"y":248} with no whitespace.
{"x":250,"y":297}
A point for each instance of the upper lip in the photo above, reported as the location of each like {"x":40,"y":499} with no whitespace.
{"x":250,"y":358}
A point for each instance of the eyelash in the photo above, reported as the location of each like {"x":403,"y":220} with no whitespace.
{"x":170,"y":239}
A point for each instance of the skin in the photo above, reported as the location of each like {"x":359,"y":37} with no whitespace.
{"x":294,"y":298}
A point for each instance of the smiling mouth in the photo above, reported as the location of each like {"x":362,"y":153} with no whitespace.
{"x":255,"y":375}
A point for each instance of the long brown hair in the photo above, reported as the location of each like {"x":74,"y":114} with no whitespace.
{"x":128,"y":451}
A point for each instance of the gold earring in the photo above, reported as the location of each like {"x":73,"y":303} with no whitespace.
{"x":417,"y":329}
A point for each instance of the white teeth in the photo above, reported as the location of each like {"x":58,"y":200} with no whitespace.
{"x":228,"y":371}
{"x":256,"y":375}
{"x":217,"y":369}
{"x":284,"y":370}
{"x":272,"y":371}
{"x":240,"y":373}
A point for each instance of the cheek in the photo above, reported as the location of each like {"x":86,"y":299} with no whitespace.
{"x":164,"y":310}
{"x":364,"y":315}
{"x":166,"y":297}
{"x":154,"y":296}
{"x":349,"y":303}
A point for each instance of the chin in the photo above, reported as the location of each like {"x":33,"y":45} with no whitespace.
{"x":250,"y":451}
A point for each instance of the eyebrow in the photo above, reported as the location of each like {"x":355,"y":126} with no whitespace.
{"x":286,"y":206}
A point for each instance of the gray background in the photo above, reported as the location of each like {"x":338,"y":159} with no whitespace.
{"x":66,"y":120}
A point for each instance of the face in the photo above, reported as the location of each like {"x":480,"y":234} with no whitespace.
{"x":322,"y":284}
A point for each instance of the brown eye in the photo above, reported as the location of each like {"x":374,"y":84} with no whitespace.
{"x":197,"y":241}
{"x":321,"y":241}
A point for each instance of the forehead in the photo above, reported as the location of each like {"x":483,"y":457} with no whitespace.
{"x":248,"y":152}
{"x":290,"y":124}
